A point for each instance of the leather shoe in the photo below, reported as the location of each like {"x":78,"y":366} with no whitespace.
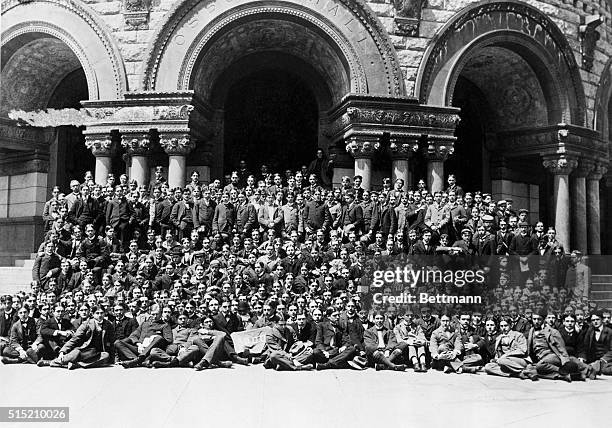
{"x":417,"y":367}
{"x":378,"y":367}
{"x":399,"y":368}
{"x":201,"y":366}
{"x":304,"y":367}
{"x":225,"y":364}
{"x":43,"y":363}
{"x":321,"y":366}
{"x":240,"y":360}
{"x":9,"y":360}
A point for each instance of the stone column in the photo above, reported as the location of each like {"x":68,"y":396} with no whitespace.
{"x":402,"y":148}
{"x":100,"y":145}
{"x":561,"y":166}
{"x":177,"y":146}
{"x":362,"y":148}
{"x":436,"y":152}
{"x":593,"y":207}
{"x":579,"y":210}
{"x":137,"y":147}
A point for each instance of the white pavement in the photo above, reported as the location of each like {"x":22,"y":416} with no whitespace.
{"x":253,"y":397}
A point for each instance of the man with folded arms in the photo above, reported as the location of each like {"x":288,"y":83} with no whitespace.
{"x":23,"y":343}
{"x":381,"y":345}
{"x":91,"y":346}
{"x":152,"y":333}
{"x":510,"y":353}
{"x":445,"y":346}
{"x":409,"y":332}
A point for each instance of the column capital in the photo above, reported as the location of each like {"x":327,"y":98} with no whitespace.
{"x":439,"y":148}
{"x":362,"y":146}
{"x":99,"y":144}
{"x":584,"y":168}
{"x":403,"y":146}
{"x":598,"y":171}
{"x":136,"y":143}
{"x":176,"y":144}
{"x":560,"y":164}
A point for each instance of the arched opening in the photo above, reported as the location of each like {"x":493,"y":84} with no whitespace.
{"x":499,"y":92}
{"x":42,"y":72}
{"x":266,"y":84}
{"x":271,"y":117}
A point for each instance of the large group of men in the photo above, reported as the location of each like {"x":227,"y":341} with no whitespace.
{"x":276,"y":269}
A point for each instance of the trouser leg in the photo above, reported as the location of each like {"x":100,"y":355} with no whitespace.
{"x":281,"y":361}
{"x":548,"y":367}
{"x":126,"y":350}
{"x":341,"y":360}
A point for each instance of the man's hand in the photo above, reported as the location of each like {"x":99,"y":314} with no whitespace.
{"x":387,"y":353}
{"x":342,"y":349}
{"x":22,"y":354}
{"x":49,"y":274}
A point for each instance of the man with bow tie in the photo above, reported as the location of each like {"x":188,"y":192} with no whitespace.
{"x":382,"y":348}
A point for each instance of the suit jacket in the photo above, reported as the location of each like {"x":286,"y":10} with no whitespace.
{"x":6,"y":324}
{"x":587,"y":350}
{"x":45,"y":264}
{"x":517,"y":346}
{"x":265,"y":220}
{"x":352,"y":214}
{"x":181,"y":215}
{"x":23,"y":336}
{"x":152,"y":327}
{"x":317,"y":215}
{"x":280,"y":342}
{"x":441,"y":342}
{"x":308,"y":333}
{"x":124,"y":328}
{"x":384,"y":220}
{"x":161,"y":211}
{"x":84,"y":334}
{"x":117,"y":211}
{"x":229,"y":325}
{"x":246,"y":218}
{"x":352,"y":331}
{"x":84,"y":210}
{"x":555,"y":343}
{"x":325,"y":333}
{"x":48,"y":328}
{"x":370,"y":339}
{"x":521,"y":325}
{"x":408,"y":333}
{"x":224,"y":218}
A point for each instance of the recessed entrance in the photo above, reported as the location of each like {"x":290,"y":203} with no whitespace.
{"x":271,"y":117}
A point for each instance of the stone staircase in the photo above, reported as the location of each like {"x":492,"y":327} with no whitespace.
{"x":17,"y":278}
{"x":601,"y":290}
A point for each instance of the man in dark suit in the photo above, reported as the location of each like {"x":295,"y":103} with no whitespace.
{"x":90,"y":346}
{"x":329,"y":341}
{"x":246,"y":216}
{"x":152,"y":333}
{"x":382,"y":347}
{"x":119,"y":215}
{"x":122,"y":326}
{"x":23,"y":344}
{"x":596,"y":349}
{"x":316,"y":214}
{"x":54,"y":332}
{"x":351,"y":216}
{"x":279,"y":342}
{"x":8,"y":316}
{"x":94,"y":250}
{"x":571,"y":337}
{"x":517,"y":322}
{"x":85,"y":209}
{"x":227,"y":322}
{"x":159,"y":218}
{"x":522,"y":244}
{"x":46,"y":265}
{"x":182,"y":215}
{"x":224,"y":217}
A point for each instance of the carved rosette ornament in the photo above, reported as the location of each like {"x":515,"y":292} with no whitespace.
{"x":136,"y":144}
{"x":177,"y":145}
{"x":100,"y":145}
{"x":403,"y":147}
{"x":362,"y":147}
{"x":560,"y":164}
{"x":439,"y":149}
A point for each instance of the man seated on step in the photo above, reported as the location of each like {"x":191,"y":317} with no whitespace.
{"x":510,"y":352}
{"x":381,"y":346}
{"x":23,"y":340}
{"x":445,"y":346}
{"x":90,"y":346}
{"x":330,"y":351}
{"x":54,"y":332}
{"x":411,"y":333}
{"x":155,"y":332}
{"x":279,"y":342}
{"x":596,"y":349}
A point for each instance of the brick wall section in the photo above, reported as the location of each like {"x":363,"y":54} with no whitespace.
{"x":566,"y":14}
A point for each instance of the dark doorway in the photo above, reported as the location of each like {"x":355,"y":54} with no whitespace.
{"x":467,"y":161}
{"x":271,"y":117}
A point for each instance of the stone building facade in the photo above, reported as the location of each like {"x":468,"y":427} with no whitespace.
{"x":513,"y":97}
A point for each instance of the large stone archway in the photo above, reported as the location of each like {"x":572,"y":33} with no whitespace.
{"x":514,"y":62}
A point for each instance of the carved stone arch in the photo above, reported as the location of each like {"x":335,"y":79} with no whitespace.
{"x":76,"y":25}
{"x":487,"y":23}
{"x":360,"y":23}
{"x":603,"y":98}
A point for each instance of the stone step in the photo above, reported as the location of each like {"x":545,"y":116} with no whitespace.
{"x":599,"y":278}
{"x":606,"y":303}
{"x":13,"y":279}
{"x":601,"y":295}
{"x":601,"y":287}
{"x":25,"y":263}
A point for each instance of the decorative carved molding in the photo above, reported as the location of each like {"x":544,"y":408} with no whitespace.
{"x":406,"y":26}
{"x":438,"y":148}
{"x":407,"y":17}
{"x":396,"y":117}
{"x":358,"y":8}
{"x":96,"y":25}
{"x":589,"y":37}
{"x":136,"y":144}
{"x":403,"y":146}
{"x":560,"y":164}
{"x":176,"y":144}
{"x":172,"y":112}
{"x":584,"y":168}
{"x":512,"y":15}
{"x":136,"y":14}
{"x":100,"y":145}
{"x":362,"y":146}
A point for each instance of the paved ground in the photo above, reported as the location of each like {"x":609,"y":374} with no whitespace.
{"x":254,"y":397}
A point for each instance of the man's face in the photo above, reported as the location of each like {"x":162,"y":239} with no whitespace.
{"x":596,"y":321}
{"x":537,"y":321}
{"x":490,"y":326}
{"x":445,"y":322}
{"x":379,"y":320}
{"x":606,"y":318}
{"x":504,"y":327}
{"x":213,"y":306}
{"x":23,"y":314}
{"x":464,"y":320}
